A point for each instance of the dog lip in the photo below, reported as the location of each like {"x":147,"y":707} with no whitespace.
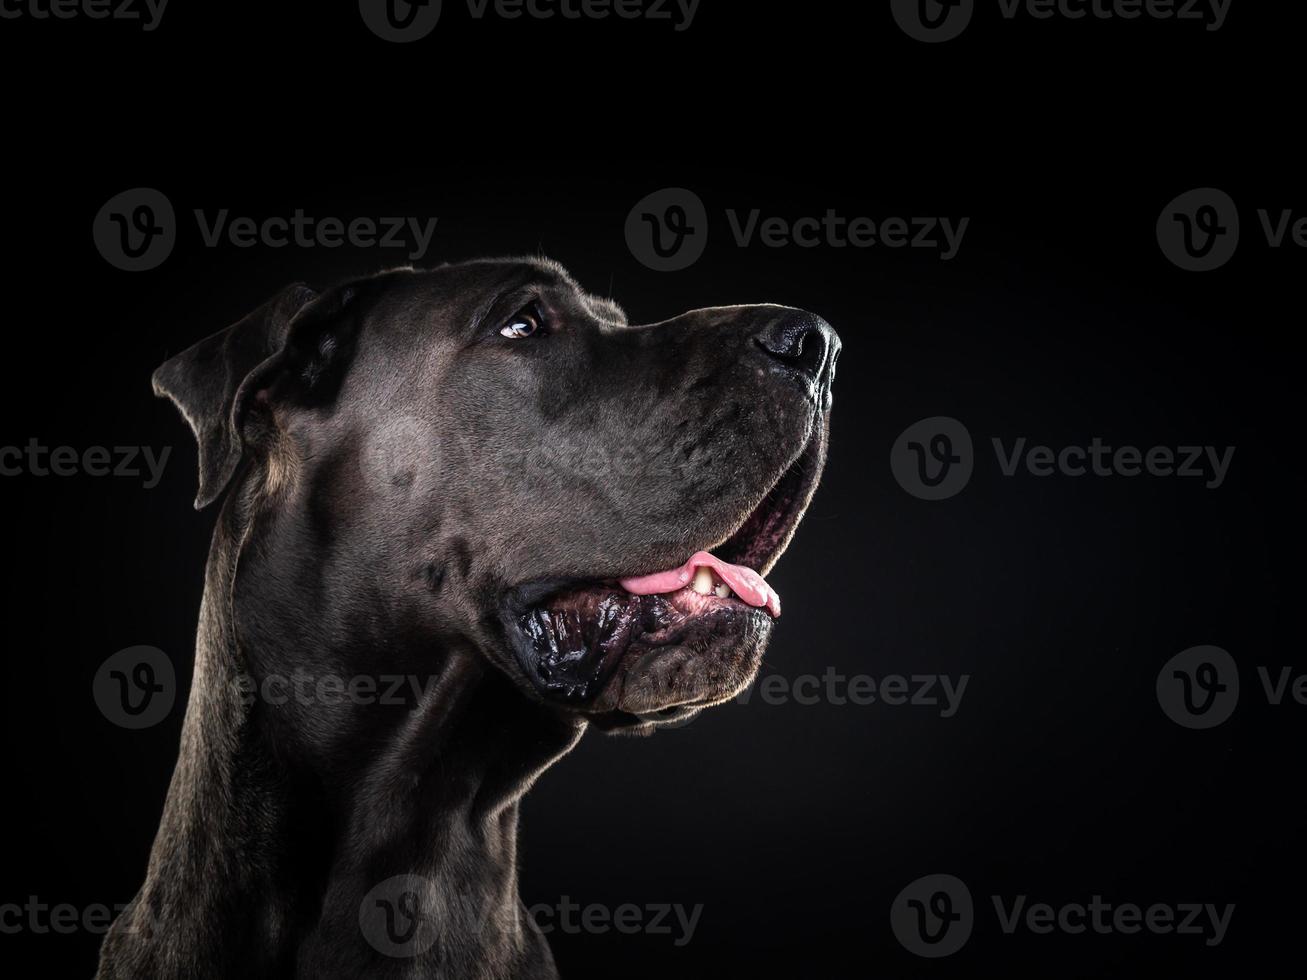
{"x":577,"y":637}
{"x":519,"y":598}
{"x":764,"y":533}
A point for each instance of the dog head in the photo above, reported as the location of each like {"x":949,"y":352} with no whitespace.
{"x":486,"y":458}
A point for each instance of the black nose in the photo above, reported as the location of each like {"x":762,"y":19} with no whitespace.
{"x":803,"y":342}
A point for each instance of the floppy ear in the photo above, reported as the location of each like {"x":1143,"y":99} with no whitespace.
{"x":212,"y":381}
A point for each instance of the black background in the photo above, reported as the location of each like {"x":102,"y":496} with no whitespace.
{"x":1059,"y":320}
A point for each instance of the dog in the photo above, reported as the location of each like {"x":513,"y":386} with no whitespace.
{"x":479,"y":478}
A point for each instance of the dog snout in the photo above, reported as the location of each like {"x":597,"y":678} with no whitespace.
{"x":804,"y":343}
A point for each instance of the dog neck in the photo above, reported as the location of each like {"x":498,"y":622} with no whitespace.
{"x":273,"y":860}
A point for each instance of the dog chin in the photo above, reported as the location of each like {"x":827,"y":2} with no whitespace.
{"x":716,"y":659}
{"x":685,"y":651}
{"x":600,"y":649}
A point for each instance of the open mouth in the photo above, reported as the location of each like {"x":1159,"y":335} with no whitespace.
{"x":572,"y":636}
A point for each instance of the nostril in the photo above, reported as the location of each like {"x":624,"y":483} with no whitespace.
{"x":799,"y":342}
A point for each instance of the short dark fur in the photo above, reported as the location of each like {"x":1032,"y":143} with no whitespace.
{"x":386,"y":513}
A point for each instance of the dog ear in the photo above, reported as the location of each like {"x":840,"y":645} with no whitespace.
{"x":212,"y":382}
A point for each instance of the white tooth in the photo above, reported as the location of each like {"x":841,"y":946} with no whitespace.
{"x":722,"y":591}
{"x":702,"y":580}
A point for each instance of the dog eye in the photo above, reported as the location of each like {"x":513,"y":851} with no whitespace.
{"x":525,"y":323}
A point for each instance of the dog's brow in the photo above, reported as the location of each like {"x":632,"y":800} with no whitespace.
{"x":603,"y":308}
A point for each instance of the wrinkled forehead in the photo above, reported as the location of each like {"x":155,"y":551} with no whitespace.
{"x":457,"y":300}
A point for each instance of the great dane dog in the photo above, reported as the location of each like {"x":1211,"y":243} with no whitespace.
{"x":482,"y":481}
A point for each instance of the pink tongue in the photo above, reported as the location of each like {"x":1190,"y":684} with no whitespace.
{"x":744,"y":582}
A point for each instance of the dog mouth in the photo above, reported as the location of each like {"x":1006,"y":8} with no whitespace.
{"x":713,"y":612}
